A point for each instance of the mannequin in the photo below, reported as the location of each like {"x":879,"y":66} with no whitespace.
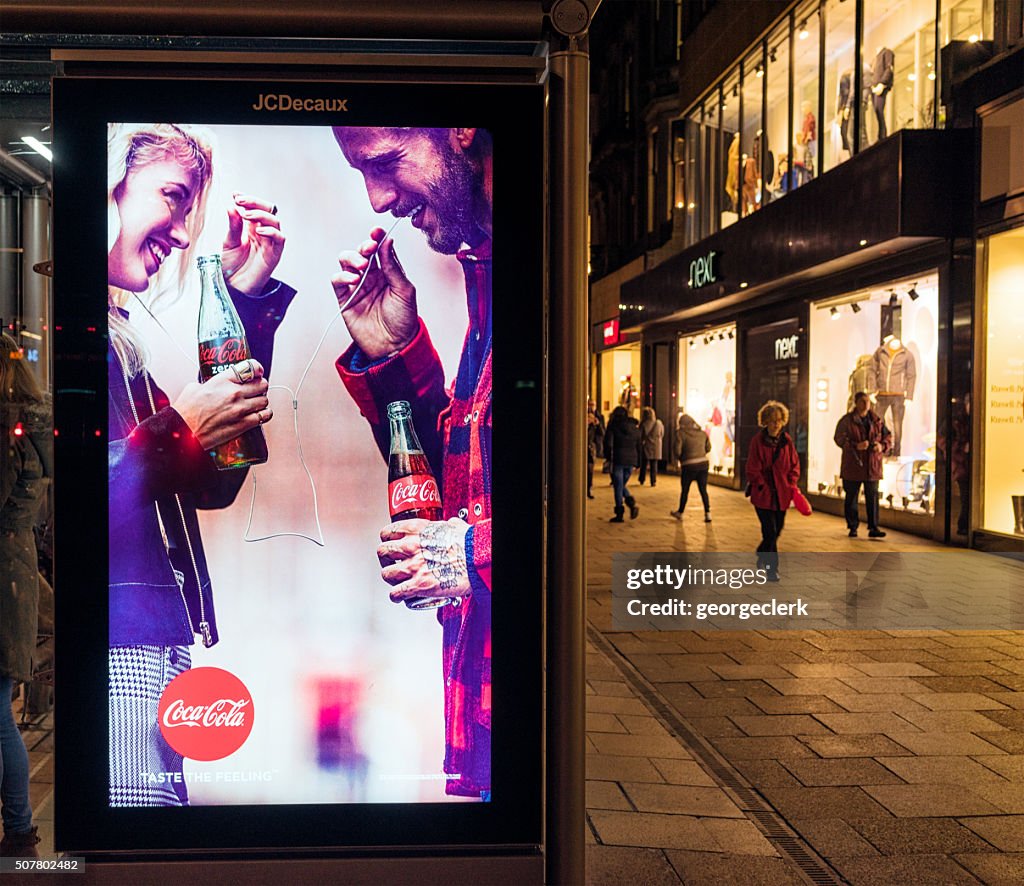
{"x":895,"y":374}
{"x":807,"y":139}
{"x":844,"y":109}
{"x":862,"y":378}
{"x":752,"y":178}
{"x":732,"y":173}
{"x":881,"y":83}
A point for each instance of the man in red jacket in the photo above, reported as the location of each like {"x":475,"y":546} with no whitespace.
{"x":442,"y":179}
{"x":865,"y":440}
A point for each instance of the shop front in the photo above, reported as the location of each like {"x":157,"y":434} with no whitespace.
{"x":881,"y":340}
{"x":707,"y":392}
{"x":617,"y":369}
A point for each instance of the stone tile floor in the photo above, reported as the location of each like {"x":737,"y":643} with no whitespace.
{"x":893,"y":757}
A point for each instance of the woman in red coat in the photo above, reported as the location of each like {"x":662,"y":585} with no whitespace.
{"x":773,"y":468}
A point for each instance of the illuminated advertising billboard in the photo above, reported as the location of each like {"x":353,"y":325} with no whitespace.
{"x":322,"y":336}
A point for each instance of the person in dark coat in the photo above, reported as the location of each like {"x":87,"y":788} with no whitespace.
{"x":773,"y":468}
{"x":26,"y":464}
{"x":595,"y":442}
{"x":652,"y":433}
{"x":622,"y":446}
{"x":865,"y":440}
{"x":691,"y":446}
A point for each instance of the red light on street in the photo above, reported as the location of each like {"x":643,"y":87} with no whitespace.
{"x":18,"y":430}
{"x":98,"y":432}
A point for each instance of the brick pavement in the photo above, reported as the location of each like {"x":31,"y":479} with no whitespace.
{"x":895,"y":757}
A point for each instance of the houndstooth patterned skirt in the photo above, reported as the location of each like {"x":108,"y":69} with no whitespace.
{"x":138,"y":751}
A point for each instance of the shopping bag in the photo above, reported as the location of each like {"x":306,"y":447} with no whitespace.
{"x":801,"y":503}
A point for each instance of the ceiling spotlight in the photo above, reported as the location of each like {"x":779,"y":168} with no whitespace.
{"x":771,"y":56}
{"x":38,"y":146}
{"x":707,"y":340}
{"x":855,"y":308}
{"x":759,"y":70}
{"x":894,"y":299}
{"x":834,"y":312}
{"x":913,"y":293}
{"x":804,"y":33}
{"x":693,"y":342}
{"x":730,"y":333}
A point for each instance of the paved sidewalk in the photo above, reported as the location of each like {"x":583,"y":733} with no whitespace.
{"x":868,"y":757}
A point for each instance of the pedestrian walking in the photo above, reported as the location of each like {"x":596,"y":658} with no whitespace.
{"x":595,"y":442}
{"x":691,"y":447}
{"x":865,"y":440}
{"x":652,"y":433}
{"x":622,"y":447}
{"x":773,"y":469}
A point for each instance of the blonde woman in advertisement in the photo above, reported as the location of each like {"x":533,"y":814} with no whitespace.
{"x":160,"y":472}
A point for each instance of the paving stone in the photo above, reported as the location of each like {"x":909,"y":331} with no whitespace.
{"x":883,"y":702}
{"x":911,"y":836}
{"x":809,"y":686}
{"x":642,"y":725}
{"x":765,"y":773}
{"x":941,"y":770}
{"x":855,"y":746}
{"x":833,"y":837}
{"x":611,"y":687}
{"x":826,"y":802}
{"x":761,"y":748}
{"x":908,"y":685}
{"x":965,"y":668}
{"x":782,"y":724}
{"x":954,"y":721}
{"x":959,"y":701}
{"x":749,"y":672}
{"x":939,"y":744}
{"x":615,"y":865}
{"x":653,"y":829}
{"x":1010,"y":719}
{"x":710,"y":868}
{"x":715,"y":727}
{"x":908,"y":870}
{"x":976,"y":653}
{"x":958,"y":684}
{"x":734,"y":688}
{"x":1011,"y":742}
{"x":606,"y":767}
{"x":1013,"y":700}
{"x":809,"y":669}
{"x":1009,"y":766}
{"x":604,"y":723}
{"x":855,"y":771}
{"x":605,"y":795}
{"x":739,"y":837}
{"x":638,"y":745}
{"x":681,"y":799}
{"x":718,"y":707}
{"x":893,"y":669}
{"x":684,"y":772}
{"x":1010,"y":681}
{"x":795,"y":704}
{"x":1006,"y":796}
{"x":1002,"y":831}
{"x":667,"y":673}
{"x":926,"y":800}
{"x":861,"y":724}
{"x":995,"y":869}
{"x":608,"y":704}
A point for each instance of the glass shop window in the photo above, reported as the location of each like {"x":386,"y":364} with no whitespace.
{"x":781,"y":178}
{"x":840,"y":31}
{"x":751,"y":133}
{"x":806,"y":114}
{"x":731,"y":153}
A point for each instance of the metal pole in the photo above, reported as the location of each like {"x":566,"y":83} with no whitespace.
{"x":35,"y":303}
{"x":566,"y":565}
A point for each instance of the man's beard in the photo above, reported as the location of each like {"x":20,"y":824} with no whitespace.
{"x":453,"y":199}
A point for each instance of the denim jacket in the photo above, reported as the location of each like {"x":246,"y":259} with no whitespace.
{"x":158,"y":476}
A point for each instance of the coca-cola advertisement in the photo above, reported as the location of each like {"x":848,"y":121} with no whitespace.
{"x":317,"y":630}
{"x":295,"y":284}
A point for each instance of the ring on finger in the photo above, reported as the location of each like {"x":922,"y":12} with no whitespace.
{"x":247,"y":372}
{"x":238,"y":375}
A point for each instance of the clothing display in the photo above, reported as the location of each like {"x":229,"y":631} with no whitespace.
{"x":862,"y":378}
{"x":895,"y":376}
{"x":732,"y":173}
{"x":881,"y":83}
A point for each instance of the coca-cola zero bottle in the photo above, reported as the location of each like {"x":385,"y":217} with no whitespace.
{"x":222,"y":342}
{"x":412,"y":489}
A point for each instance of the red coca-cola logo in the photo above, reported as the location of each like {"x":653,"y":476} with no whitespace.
{"x":205,"y":713}
{"x":231,"y":350}
{"x":414,"y":491}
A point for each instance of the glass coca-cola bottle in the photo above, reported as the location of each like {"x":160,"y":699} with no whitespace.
{"x":412,"y":489}
{"x":222,"y":342}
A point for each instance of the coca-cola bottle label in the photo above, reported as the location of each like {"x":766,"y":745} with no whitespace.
{"x":218,"y":354}
{"x":415,"y":492}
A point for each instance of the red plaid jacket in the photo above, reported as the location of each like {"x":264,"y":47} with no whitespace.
{"x":454,"y":427}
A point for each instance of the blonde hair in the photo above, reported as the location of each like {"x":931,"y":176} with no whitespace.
{"x":17,"y":383}
{"x":132,"y":146}
{"x":770,"y":407}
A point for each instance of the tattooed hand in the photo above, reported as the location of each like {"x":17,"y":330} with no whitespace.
{"x":423,"y":558}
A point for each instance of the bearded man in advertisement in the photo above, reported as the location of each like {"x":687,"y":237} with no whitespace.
{"x":442,"y":179}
